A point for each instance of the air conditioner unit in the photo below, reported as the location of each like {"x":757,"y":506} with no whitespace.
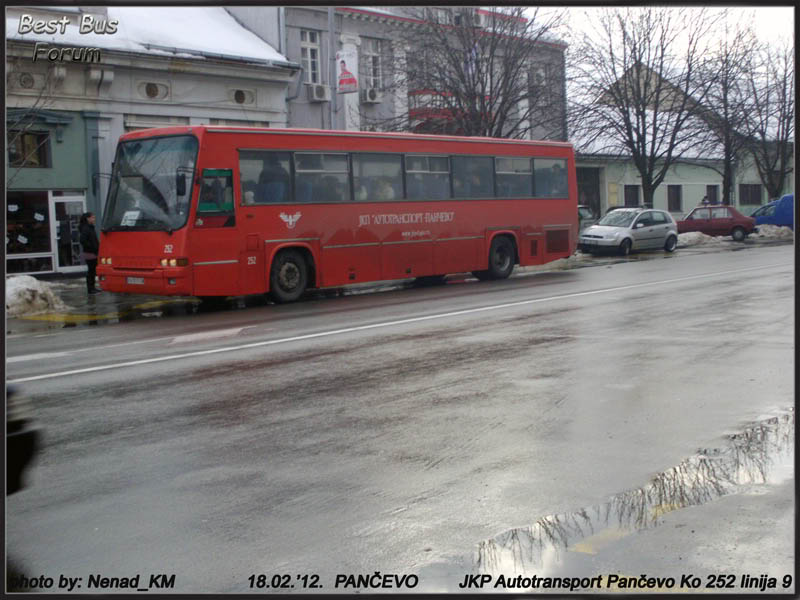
{"x":371,"y":96}
{"x":319,"y":93}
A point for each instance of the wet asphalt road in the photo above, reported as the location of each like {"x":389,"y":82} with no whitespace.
{"x":404,"y":431}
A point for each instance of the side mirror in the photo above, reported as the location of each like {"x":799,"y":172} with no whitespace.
{"x":180,"y":184}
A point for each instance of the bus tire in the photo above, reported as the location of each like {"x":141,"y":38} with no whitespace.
{"x":288,"y":276}
{"x":501,"y":258}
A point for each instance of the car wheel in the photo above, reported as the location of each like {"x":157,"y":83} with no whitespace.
{"x":288,"y":276}
{"x":501,"y":258}
{"x":738,"y":234}
{"x":671,"y":243}
{"x":625,"y":247}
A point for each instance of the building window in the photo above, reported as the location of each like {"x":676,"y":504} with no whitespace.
{"x":371,"y":50}
{"x":440,"y":16}
{"x":712,"y":194}
{"x":309,"y":55}
{"x":28,"y":149}
{"x":674,"y":202}
{"x":749,"y":193}
{"x":631,"y":195}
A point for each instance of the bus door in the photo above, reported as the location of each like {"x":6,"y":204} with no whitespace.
{"x":214,"y":244}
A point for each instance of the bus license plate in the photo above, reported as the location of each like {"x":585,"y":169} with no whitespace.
{"x":136,"y":280}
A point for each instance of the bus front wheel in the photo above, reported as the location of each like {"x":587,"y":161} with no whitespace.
{"x":288,"y":276}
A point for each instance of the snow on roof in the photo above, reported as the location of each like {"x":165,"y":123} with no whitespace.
{"x":199,"y":31}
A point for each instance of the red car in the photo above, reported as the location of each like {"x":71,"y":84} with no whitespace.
{"x":718,"y":220}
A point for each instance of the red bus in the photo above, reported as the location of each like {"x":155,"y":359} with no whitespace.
{"x":220,"y":211}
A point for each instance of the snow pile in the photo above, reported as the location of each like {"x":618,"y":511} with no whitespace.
{"x":773,"y":232}
{"x":562,"y":264}
{"x":26,"y":295}
{"x":695,"y":238}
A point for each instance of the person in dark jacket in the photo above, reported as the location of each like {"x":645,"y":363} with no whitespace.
{"x":90,"y":247}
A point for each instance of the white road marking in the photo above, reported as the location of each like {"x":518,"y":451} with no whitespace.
{"x":206,"y":335}
{"x":40,"y":356}
{"x":335,"y":332}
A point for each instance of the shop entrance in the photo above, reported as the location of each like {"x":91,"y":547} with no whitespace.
{"x":67,"y":211}
{"x":42,"y":232}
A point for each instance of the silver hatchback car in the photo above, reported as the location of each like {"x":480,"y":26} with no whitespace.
{"x":627,"y":229}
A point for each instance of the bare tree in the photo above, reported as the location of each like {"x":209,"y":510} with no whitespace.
{"x":727,"y":103}
{"x":489,"y":72}
{"x":22,"y":115}
{"x":636,"y":87}
{"x":770,"y":117}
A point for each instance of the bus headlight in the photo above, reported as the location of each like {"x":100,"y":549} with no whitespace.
{"x":174,"y":262}
{"x":105,"y":261}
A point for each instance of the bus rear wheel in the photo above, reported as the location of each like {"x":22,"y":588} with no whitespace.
{"x":501,"y":258}
{"x":288,"y":277}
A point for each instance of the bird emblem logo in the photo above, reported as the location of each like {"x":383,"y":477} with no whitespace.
{"x":290,"y":220}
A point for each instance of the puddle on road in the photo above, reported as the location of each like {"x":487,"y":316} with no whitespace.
{"x":761,"y":454}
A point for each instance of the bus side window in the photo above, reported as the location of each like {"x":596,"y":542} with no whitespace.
{"x":265,"y":177}
{"x":550,"y":178}
{"x":215,"y":204}
{"x":321,"y":177}
{"x":513,"y":177}
{"x":427,"y":177}
{"x":472,"y":176}
{"x":377,"y":177}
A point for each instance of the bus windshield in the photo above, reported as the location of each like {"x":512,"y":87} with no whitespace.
{"x":151,"y":184}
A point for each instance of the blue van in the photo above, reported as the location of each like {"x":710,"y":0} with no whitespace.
{"x":778,"y":212}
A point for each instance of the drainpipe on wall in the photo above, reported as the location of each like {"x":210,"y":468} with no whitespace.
{"x":331,"y":64}
{"x":282,"y":43}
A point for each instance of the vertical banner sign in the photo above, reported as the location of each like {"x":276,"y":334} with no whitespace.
{"x":346,"y":68}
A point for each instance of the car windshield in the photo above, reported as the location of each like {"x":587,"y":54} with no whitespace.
{"x":151,"y":184}
{"x":618,"y":218}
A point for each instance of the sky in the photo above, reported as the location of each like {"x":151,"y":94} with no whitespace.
{"x":769,"y":22}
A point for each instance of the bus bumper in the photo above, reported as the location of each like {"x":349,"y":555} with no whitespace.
{"x":157,"y":282}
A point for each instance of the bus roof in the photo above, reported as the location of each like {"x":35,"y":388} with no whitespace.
{"x":200,"y":130}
